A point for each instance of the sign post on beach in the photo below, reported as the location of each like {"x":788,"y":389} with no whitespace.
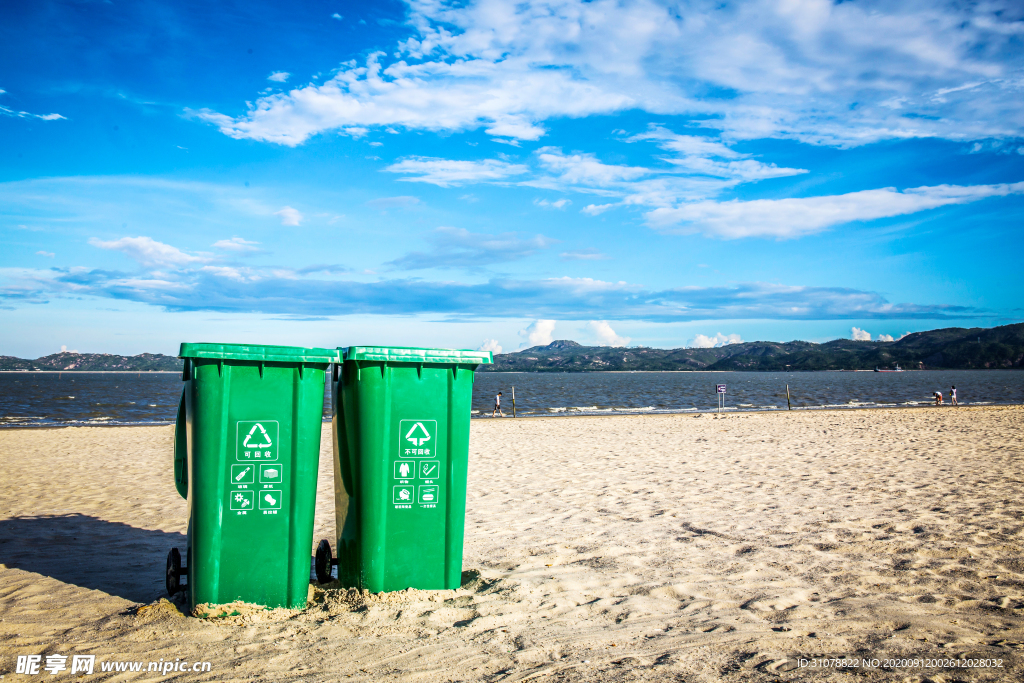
{"x":513,"y":401}
{"x":721,"y":397}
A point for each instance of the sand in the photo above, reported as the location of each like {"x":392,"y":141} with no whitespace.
{"x":646,"y":548}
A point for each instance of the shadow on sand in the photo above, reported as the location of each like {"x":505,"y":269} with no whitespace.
{"x":85,"y":551}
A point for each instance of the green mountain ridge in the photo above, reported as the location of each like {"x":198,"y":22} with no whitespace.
{"x":68,"y":361}
{"x":948,"y":348}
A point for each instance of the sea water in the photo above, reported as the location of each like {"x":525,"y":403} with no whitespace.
{"x":597,"y":393}
{"x":42,"y":399}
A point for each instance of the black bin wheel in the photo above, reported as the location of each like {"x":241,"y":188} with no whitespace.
{"x":173,"y":572}
{"x":323,"y":561}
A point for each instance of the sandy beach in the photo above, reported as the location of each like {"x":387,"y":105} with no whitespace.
{"x":645,"y":548}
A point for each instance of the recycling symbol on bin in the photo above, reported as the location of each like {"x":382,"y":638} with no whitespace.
{"x":418,"y":435}
{"x":263,"y":434}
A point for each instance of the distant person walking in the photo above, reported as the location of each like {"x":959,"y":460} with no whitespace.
{"x":952,"y":396}
{"x":497,"y":406}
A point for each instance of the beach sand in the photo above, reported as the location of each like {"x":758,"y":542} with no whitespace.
{"x":646,"y":548}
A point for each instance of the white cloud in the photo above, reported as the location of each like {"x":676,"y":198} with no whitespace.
{"x":538,"y":333}
{"x":47,"y":254}
{"x":240,"y":274}
{"x":289,"y":216}
{"x":702,"y":341}
{"x":148,"y":251}
{"x":236,"y":244}
{"x":403,"y":201}
{"x":585,"y":169}
{"x":605,"y":334}
{"x":337,"y":16}
{"x":680,"y":179}
{"x":559,"y":204}
{"x":589,"y":254}
{"x":491,"y":345}
{"x":277,"y":290}
{"x":279,"y":76}
{"x":794,"y":217}
{"x":704,"y":156}
{"x":460,"y":248}
{"x":7,"y":111}
{"x":329,"y":268}
{"x":858,"y":334}
{"x":596,"y":209}
{"x":452,"y":173}
{"x":889,"y":337}
{"x":686,"y":145}
{"x":813,"y":70}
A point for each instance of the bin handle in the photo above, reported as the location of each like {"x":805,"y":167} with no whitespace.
{"x":181,"y":451}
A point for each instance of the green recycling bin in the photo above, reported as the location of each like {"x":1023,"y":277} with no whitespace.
{"x":401,"y":455}
{"x":246,"y":453}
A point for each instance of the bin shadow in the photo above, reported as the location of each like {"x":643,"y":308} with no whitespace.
{"x":93,"y":553}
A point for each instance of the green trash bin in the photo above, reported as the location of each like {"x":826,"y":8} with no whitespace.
{"x":246,"y":453}
{"x":401,"y":455}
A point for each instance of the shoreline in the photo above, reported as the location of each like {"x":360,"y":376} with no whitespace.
{"x":90,"y":372}
{"x":753,"y":372}
{"x":560,"y":416}
{"x":557,"y":372}
{"x":734,"y":411}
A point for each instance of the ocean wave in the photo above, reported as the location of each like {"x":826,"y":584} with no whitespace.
{"x":597,"y":409}
{"x":18,"y":422}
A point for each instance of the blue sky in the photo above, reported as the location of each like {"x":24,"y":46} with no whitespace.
{"x":494,"y":174}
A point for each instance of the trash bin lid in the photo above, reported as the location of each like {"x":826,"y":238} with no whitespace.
{"x":276,"y":354}
{"x":410,"y":354}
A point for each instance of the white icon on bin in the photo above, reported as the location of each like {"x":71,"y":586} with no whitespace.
{"x":428,"y":495}
{"x":270,"y":499}
{"x":405,"y":469}
{"x":241,"y":500}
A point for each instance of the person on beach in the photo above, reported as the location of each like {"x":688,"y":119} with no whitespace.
{"x":938,"y":398}
{"x":952,"y":396}
{"x":497,"y":406}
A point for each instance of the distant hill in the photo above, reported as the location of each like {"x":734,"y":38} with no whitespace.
{"x":949,"y":348}
{"x":68,"y":361}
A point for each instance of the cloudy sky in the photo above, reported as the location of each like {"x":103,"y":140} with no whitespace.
{"x":495,"y":174}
